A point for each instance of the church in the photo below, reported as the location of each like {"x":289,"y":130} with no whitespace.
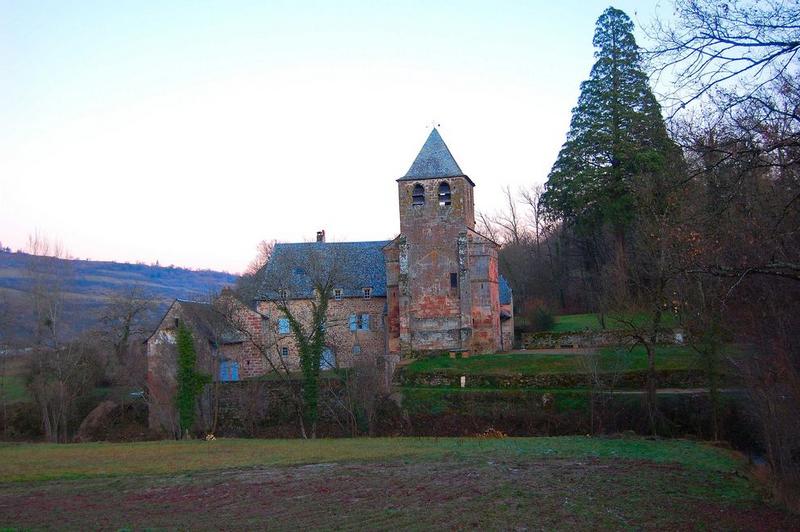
{"x":434,"y":288}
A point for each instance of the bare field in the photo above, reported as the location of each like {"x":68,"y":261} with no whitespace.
{"x":530,"y":483}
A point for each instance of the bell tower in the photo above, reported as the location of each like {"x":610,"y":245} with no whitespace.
{"x":435,"y":190}
{"x":430,"y":260}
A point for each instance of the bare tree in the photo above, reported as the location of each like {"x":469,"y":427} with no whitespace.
{"x":602,"y":380}
{"x":60,"y":370}
{"x":354,"y":402}
{"x":509,"y":220}
{"x":5,"y":345}
{"x":734,"y":47}
{"x":45,"y":287}
{"x":124,"y":321}
{"x":251,"y":281}
{"x":533,"y":198}
{"x":263,"y":253}
{"x":487,"y":226}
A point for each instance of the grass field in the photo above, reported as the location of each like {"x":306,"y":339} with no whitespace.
{"x":591,"y":322}
{"x":13,"y":388}
{"x":667,"y":358}
{"x":385,"y":483}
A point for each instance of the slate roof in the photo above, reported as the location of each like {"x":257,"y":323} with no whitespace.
{"x":505,"y":291}
{"x":361,"y":265}
{"x":207,"y":322}
{"x":433,"y":161}
{"x":210,"y":323}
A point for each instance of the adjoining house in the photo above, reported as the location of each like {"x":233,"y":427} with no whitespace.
{"x":355,"y":323}
{"x":223,"y":351}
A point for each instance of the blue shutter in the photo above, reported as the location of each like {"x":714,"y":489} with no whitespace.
{"x":365,"y":322}
{"x":353,"y":322}
{"x":283,"y":326}
{"x":225,"y":371}
{"x":234,"y":371}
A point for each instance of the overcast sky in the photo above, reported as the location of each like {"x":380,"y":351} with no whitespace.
{"x":187,"y":132}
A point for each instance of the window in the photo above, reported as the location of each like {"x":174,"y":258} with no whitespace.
{"x":177,"y":323}
{"x":283,"y":325}
{"x":284,"y":351}
{"x":283,"y":293}
{"x":337,"y":294}
{"x":228,"y":370}
{"x":356,"y":349}
{"x":453,"y":280}
{"x":327,"y":360}
{"x":367,"y":293}
{"x":418,"y":195}
{"x":444,"y":194}
{"x":359,"y":322}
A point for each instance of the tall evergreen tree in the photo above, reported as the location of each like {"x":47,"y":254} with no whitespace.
{"x":616,"y":133}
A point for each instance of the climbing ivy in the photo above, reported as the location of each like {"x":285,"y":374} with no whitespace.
{"x":190,"y":381}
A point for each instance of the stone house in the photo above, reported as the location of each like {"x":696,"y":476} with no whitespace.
{"x":223,"y":351}
{"x":355,"y":323}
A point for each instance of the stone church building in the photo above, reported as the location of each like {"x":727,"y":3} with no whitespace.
{"x":435,"y":288}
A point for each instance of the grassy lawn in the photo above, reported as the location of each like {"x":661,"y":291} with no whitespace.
{"x":667,"y":358}
{"x":401,"y":483}
{"x":26,"y":462}
{"x":591,"y":322}
{"x":13,"y":387}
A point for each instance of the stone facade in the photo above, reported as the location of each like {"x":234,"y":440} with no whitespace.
{"x":349,"y":335}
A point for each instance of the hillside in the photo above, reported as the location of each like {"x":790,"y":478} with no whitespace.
{"x":88,"y":284}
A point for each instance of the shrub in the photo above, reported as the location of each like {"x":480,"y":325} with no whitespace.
{"x":542,"y":320}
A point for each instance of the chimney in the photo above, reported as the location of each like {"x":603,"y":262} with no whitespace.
{"x":321,"y":236}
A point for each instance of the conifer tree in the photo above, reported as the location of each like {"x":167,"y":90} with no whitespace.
{"x":616,"y":133}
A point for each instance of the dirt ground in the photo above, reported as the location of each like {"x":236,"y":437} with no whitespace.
{"x":478,"y":493}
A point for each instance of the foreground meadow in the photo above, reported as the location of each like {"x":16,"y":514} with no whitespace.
{"x":384,"y":483}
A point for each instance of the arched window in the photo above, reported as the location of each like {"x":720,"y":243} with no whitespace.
{"x":444,"y":194}
{"x":418,"y":195}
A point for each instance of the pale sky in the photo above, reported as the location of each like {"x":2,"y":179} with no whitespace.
{"x":186,"y":132}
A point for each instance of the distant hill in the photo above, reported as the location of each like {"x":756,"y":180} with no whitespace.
{"x":87,"y":284}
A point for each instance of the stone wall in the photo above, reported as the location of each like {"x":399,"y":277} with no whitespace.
{"x":635,"y":380}
{"x":559,"y":340}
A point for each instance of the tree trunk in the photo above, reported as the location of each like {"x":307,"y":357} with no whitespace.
{"x":652,"y":409}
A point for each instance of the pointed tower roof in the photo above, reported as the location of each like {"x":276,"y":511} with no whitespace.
{"x":434,"y":161}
